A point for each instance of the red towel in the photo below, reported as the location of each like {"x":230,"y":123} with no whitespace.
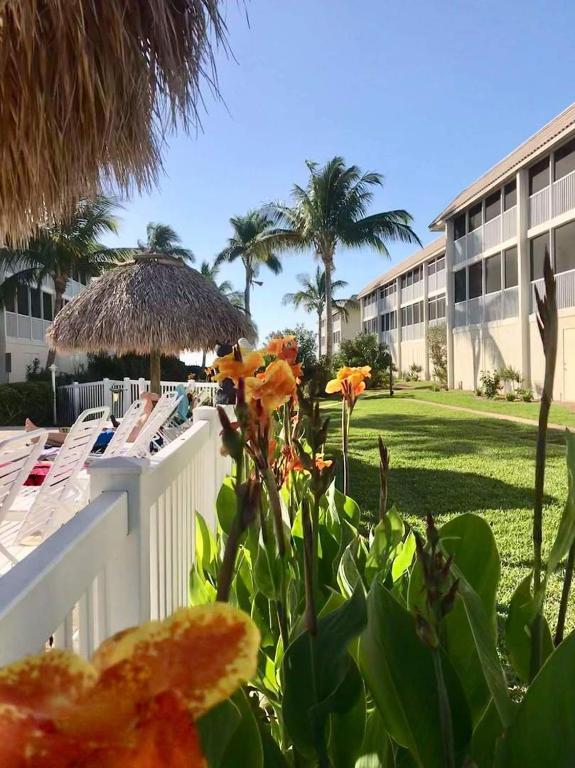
{"x":37,"y":475}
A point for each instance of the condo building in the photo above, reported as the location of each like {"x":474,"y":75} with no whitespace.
{"x":346,"y":323}
{"x":479,"y":277}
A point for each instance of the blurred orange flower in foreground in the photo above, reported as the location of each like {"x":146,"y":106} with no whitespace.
{"x":274,"y":387}
{"x":284,"y":347}
{"x":134,"y":704}
{"x":238,"y":365}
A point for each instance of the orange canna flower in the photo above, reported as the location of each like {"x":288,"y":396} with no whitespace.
{"x":135,"y":703}
{"x":229,"y":367}
{"x":274,"y":387}
{"x":284,"y":348}
{"x":350,"y":381}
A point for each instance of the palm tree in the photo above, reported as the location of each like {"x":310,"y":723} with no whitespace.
{"x":311,"y":297}
{"x":161,"y":238}
{"x":250,"y":244}
{"x":332,"y":211}
{"x":211,"y":272}
{"x":64,"y":250}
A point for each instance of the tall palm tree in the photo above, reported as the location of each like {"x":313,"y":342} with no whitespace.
{"x":311,"y":297}
{"x":250,"y":244}
{"x":161,"y":238}
{"x":332,"y":211}
{"x":61,"y":251}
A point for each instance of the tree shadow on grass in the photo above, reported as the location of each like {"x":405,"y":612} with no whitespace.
{"x":417,"y":491}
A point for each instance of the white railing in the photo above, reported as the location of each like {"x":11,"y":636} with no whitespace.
{"x":388,"y":303}
{"x":509,"y":224}
{"x":475,"y":310}
{"x":25,"y":327}
{"x":491,"y":233}
{"x":436,"y":321}
{"x":412,"y":332}
{"x":436,"y":282}
{"x":540,"y":207}
{"x":564,"y":194}
{"x":123,"y":559}
{"x":460,"y":314}
{"x":412,"y":292}
{"x":565,"y":290}
{"x":474,"y":243}
{"x":510,"y":302}
{"x":460,"y":250}
{"x":119,"y":395}
{"x":370,"y":311}
{"x":389,"y":337}
{"x":490,"y":308}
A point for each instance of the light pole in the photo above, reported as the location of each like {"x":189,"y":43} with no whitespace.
{"x":54,"y":409}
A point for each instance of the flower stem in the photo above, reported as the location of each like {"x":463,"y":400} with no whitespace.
{"x":568,"y":579}
{"x":226,"y":574}
{"x":276,"y":508}
{"x":345,"y":444}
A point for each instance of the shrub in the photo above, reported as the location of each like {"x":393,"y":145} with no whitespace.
{"x":508,"y":374}
{"x":317,"y":375}
{"x":437,"y":345}
{"x":365,"y":349}
{"x":26,"y":399}
{"x":526,"y":394}
{"x":490,"y":383}
{"x":413,"y":373}
{"x":511,"y":396}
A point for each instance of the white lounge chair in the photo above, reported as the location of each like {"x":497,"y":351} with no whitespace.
{"x":18,"y":455}
{"x":118,"y":445}
{"x":164,"y":408}
{"x":44,"y":509}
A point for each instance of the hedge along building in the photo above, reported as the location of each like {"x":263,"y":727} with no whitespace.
{"x":488,"y":263}
{"x":402,"y":303}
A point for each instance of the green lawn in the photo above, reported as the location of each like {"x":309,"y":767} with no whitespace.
{"x":560,"y":414}
{"x":447,"y":463}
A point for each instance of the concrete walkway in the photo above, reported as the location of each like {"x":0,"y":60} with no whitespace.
{"x":489,"y":414}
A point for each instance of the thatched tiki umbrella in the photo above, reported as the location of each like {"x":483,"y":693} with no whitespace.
{"x":88,"y":90}
{"x":154,"y":305}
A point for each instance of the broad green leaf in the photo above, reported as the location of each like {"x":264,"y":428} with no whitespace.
{"x":404,"y":557}
{"x":349,"y":571}
{"x":522,"y":610}
{"x":566,"y":530}
{"x":201,"y":591}
{"x":485,"y":736}
{"x":376,"y":749}
{"x":387,"y":537}
{"x":226,"y":505}
{"x":245,"y":745}
{"x":543,"y":730}
{"x":314,"y":690}
{"x":216,"y":729}
{"x":206,"y":547}
{"x":347,"y":729}
{"x":273,"y":756}
{"x":469,"y":539}
{"x":346,"y":506}
{"x":267,"y":570}
{"x":399,"y":672}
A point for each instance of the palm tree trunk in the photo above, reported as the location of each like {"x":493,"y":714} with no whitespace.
{"x":155,"y":373}
{"x":59,"y":290}
{"x":328,"y":266}
{"x":204,"y":359}
{"x":319,"y":334}
{"x":247,"y":290}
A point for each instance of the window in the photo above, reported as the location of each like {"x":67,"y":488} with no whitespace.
{"x":403,"y":281}
{"x":431,"y":268}
{"x":436,"y":308}
{"x":493,"y":273}
{"x":475,"y":280}
{"x":432,"y":310}
{"x":565,"y":248}
{"x":10,"y":303}
{"x":35,"y":302}
{"x":511,"y":273}
{"x":564,"y":160}
{"x":416,"y":318}
{"x":475,"y":217}
{"x":492,"y":206}
{"x":441,"y":263}
{"x":510,"y":195}
{"x":539,"y":176}
{"x":409,"y":279}
{"x":23,"y":300}
{"x":460,"y":285}
{"x":459,"y":228}
{"x":440,"y":307}
{"x":537,"y":248}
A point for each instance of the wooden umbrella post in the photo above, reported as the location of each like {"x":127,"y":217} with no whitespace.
{"x":155,"y":372}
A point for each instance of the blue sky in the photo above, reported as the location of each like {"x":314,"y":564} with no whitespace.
{"x":429,"y":93}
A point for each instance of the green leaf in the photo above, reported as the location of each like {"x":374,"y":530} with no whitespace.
{"x":566,"y":531}
{"x":470,"y":541}
{"x":305,"y":713}
{"x":347,"y":728}
{"x":216,"y":729}
{"x":273,"y":756}
{"x":543,"y":731}
{"x":399,"y":672}
{"x":522,"y":610}
{"x":201,"y":591}
{"x":350,"y":567}
{"x":267,"y":570}
{"x":387,"y":537}
{"x":345,"y":506}
{"x":226,"y":505}
{"x":376,"y":749}
{"x":245,"y":745}
{"x":485,"y":736}
{"x":404,"y":557}
{"x":206,"y":547}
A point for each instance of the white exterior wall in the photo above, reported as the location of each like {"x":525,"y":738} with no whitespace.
{"x":413,"y":352}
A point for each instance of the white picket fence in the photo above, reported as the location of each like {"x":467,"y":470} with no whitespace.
{"x":118,"y":395}
{"x":123,"y":559}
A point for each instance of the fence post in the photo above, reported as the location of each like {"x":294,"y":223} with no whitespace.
{"x":127,"y":396}
{"x":128,"y":577}
{"x":107,"y":393}
{"x":76,"y":399}
{"x":141,"y":385}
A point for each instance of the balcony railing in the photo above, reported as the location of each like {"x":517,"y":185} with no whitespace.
{"x":389,"y":337}
{"x":388,"y":303}
{"x":487,"y":236}
{"x":370,"y":311}
{"x":491,"y":308}
{"x":25,"y":327}
{"x":436,"y":321}
{"x":412,"y":332}
{"x":436,"y":282}
{"x":565,"y":290}
{"x":412,"y":292}
{"x":553,"y":200}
